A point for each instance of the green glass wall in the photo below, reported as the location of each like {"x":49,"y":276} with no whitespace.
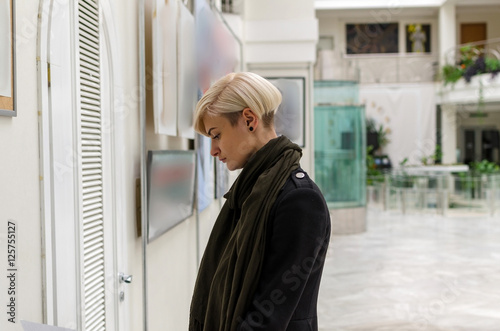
{"x":339,"y":145}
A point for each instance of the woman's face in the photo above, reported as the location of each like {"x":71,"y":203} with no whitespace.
{"x":230,"y":144}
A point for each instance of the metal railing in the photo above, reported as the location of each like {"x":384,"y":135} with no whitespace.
{"x":441,"y":194}
{"x":486,"y":48}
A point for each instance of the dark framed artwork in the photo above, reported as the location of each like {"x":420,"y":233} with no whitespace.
{"x":372,"y":38}
{"x":7,"y":59}
{"x":290,"y":116}
{"x":418,"y":38}
{"x":171,"y":189}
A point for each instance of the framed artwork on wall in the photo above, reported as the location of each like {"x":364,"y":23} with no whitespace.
{"x":290,"y":116}
{"x":372,"y":38}
{"x":171,"y":189}
{"x":418,"y":38}
{"x":7,"y":59}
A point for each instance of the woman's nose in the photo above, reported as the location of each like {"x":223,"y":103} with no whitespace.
{"x":214,"y":150}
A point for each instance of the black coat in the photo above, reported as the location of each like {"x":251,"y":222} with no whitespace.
{"x":297,"y":240}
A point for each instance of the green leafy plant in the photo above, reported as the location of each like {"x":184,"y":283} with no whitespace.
{"x":434,"y":157}
{"x":473,"y":61}
{"x":383,"y":140}
{"x":452,"y":73}
{"x":484,"y":167}
{"x":373,"y":175}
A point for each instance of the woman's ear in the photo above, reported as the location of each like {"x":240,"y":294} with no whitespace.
{"x":251,"y":120}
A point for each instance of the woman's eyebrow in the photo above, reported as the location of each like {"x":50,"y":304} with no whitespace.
{"x":210,"y":130}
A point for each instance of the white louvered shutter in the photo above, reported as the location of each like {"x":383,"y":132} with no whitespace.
{"x":92,"y":227}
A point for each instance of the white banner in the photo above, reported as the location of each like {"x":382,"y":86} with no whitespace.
{"x":409,"y":113}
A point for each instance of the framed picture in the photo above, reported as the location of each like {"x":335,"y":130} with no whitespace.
{"x":171,"y":189}
{"x":372,"y":38}
{"x":418,"y":38}
{"x":206,"y":176}
{"x":290,"y":116}
{"x":7,"y":59}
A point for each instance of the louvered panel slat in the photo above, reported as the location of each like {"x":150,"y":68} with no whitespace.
{"x":94,"y":297}
{"x":97,"y":325}
{"x":90,"y":88}
{"x":90,"y":84}
{"x":91,"y":125}
{"x":91,"y":136}
{"x":95,"y":320}
{"x":92,"y":172}
{"x":87,"y":59}
{"x":89,"y":74}
{"x":90,"y":204}
{"x":91,"y":196}
{"x":90,"y":57}
{"x":86,"y":19}
{"x":87,"y":40}
{"x":93,"y":237}
{"x":89,"y":109}
{"x":90,"y":154}
{"x":91,"y":166}
{"x":91,"y":216}
{"x":90,"y":101}
{"x":88,"y":191}
{"x":87,"y":23}
{"x":89,"y":77}
{"x":93,"y":279}
{"x":89,"y":97}
{"x":94,"y":287}
{"x":93,"y":260}
{"x":95,"y":223}
{"x":93,"y":257}
{"x":89,"y":66}
{"x":89,"y":12}
{"x":90,"y":130}
{"x":92,"y":178}
{"x":92,"y":192}
{"x":87,"y":182}
{"x":89,"y":5}
{"x":91,"y":119}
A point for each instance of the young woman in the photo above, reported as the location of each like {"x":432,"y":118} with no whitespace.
{"x":262,"y":266}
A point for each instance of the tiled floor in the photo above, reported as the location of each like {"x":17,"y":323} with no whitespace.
{"x":414,"y":273}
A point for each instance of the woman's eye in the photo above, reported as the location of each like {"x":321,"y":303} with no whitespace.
{"x":216,"y":136}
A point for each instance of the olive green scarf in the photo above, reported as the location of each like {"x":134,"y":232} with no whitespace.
{"x":232,"y":262}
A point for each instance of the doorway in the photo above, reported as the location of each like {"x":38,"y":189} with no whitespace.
{"x":481,"y":143}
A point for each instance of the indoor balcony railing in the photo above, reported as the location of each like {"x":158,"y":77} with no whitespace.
{"x":450,"y":194}
{"x":468,"y":60}
{"x":394,"y":68}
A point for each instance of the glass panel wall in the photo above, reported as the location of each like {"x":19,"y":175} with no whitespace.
{"x":339,"y":143}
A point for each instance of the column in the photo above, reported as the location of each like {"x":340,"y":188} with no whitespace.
{"x":449,"y":133}
{"x":447,"y":30}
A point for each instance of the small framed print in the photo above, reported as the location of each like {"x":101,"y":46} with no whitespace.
{"x":418,"y":38}
{"x":290,"y":116}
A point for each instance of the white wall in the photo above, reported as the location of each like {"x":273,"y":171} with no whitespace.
{"x":272,"y":9}
{"x":488,"y":15}
{"x":375,"y":68}
{"x":19,"y":177}
{"x":171,"y":258}
{"x":280,"y":41}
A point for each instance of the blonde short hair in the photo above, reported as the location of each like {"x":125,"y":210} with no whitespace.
{"x":234,"y":92}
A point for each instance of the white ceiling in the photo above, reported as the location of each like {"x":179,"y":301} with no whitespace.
{"x":394,"y":4}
